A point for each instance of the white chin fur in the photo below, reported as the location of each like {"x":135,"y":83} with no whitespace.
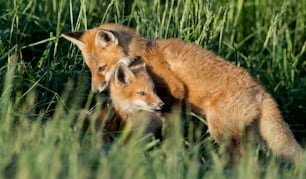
{"x":141,"y":105}
{"x":142,"y":108}
{"x":102,"y":87}
{"x":108,"y":76}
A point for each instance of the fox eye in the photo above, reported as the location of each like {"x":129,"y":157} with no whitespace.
{"x":102,"y":68}
{"x":141,"y":93}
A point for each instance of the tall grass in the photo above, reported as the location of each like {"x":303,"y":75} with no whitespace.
{"x":44,"y":82}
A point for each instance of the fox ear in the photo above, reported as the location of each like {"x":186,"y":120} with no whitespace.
{"x":104,"y":38}
{"x":123,"y":75}
{"x":75,"y":38}
{"x":142,"y":63}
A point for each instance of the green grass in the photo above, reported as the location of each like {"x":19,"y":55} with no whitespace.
{"x":44,"y":82}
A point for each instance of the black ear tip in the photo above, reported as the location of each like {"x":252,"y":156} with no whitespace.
{"x":76,"y":35}
{"x":64,"y":34}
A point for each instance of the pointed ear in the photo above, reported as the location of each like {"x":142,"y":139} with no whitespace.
{"x":126,"y":60}
{"x":75,"y":38}
{"x":143,"y":64}
{"x":123,"y":75}
{"x":104,"y":38}
{"x":139,"y":61}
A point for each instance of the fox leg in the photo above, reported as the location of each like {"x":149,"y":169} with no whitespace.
{"x":176,"y":88}
{"x":169,"y":88}
{"x":165,"y":78}
{"x":223,"y":134}
{"x":214,"y":127}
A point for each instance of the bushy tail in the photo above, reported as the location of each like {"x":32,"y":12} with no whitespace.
{"x":275,"y":131}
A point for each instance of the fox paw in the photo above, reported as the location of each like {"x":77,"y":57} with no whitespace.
{"x":179,"y":92}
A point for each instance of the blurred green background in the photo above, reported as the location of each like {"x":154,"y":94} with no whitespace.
{"x":43,"y":76}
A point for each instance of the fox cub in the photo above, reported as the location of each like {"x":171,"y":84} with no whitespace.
{"x":133,"y":96}
{"x":134,"y":101}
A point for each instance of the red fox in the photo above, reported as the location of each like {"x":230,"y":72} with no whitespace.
{"x":133,"y":96}
{"x":227,"y":95}
{"x":134,"y":101}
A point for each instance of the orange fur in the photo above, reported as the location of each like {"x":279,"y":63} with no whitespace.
{"x":133,"y":96}
{"x":227,"y":95}
{"x":134,"y":102}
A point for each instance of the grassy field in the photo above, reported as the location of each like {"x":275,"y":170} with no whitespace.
{"x":44,"y":82}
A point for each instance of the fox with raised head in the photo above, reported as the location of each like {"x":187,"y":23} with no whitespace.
{"x":227,"y":95}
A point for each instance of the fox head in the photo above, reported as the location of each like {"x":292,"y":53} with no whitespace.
{"x":133,"y":89}
{"x":102,"y":48}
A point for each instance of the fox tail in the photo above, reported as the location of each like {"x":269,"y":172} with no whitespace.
{"x":275,"y":131}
